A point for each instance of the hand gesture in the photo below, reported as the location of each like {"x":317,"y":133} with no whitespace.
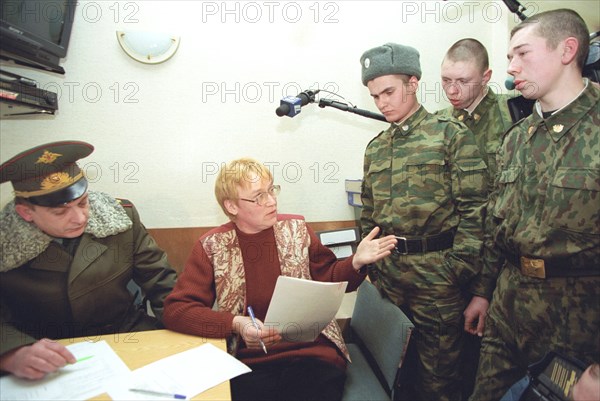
{"x":372,"y":249}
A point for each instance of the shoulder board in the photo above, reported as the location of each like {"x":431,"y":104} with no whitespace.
{"x":451,"y":120}
{"x":512,"y":127}
{"x":124,"y":202}
{"x":445,"y":115}
{"x":376,"y":136}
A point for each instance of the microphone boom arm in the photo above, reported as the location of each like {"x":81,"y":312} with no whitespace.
{"x":344,"y":107}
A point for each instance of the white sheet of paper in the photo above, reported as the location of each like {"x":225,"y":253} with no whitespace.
{"x":187,"y":373}
{"x":300,"y":309}
{"x":80,"y":381}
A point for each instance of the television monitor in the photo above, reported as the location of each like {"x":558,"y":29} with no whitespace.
{"x":36,"y":33}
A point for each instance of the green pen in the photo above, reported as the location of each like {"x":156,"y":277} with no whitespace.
{"x":85,"y":358}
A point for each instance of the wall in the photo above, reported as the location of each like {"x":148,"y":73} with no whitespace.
{"x":161,"y":131}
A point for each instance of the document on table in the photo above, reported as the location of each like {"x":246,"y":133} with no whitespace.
{"x":300,"y":309}
{"x":185,"y":374}
{"x":97,"y":367}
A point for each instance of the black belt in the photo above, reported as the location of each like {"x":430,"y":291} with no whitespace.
{"x":544,"y":268}
{"x":429,"y":243}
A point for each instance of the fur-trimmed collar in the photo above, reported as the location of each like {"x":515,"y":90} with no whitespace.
{"x":22,"y":241}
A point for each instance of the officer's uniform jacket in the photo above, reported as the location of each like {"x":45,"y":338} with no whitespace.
{"x":547,"y":202}
{"x":423,"y":177}
{"x":47,"y":292}
{"x":488,"y":122}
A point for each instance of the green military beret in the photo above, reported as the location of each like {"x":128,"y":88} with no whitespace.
{"x":48,"y":175}
{"x":390,"y":59}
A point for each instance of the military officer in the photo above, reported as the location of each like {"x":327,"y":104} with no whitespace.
{"x":544,"y":211}
{"x":425,"y":182}
{"x":68,"y":256}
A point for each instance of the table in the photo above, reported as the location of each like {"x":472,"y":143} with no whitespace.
{"x":140,"y":348}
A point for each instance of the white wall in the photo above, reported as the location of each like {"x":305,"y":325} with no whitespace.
{"x":160,"y":131}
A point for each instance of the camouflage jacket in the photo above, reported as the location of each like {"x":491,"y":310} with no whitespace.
{"x":488,"y":122}
{"x":423,"y":177}
{"x":546,"y":202}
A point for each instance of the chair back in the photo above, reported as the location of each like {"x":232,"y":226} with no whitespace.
{"x":384,"y":331}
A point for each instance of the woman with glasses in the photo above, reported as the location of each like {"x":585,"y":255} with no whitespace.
{"x":237,"y":265}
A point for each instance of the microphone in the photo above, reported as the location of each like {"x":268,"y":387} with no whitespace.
{"x":509,"y":83}
{"x":515,"y":7}
{"x":290,"y":105}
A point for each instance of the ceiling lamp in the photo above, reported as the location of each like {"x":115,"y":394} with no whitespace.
{"x":148,"y":47}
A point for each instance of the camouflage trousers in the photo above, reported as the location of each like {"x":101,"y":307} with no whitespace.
{"x":529,"y":317}
{"x":424,"y":288}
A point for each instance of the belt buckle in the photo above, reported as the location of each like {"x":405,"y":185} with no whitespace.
{"x":405,"y":245}
{"x":533,"y":267}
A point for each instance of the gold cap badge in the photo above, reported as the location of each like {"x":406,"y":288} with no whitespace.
{"x":48,"y":157}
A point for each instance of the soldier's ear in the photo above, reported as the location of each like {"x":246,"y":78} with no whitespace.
{"x":25,"y":211}
{"x":570,"y":46}
{"x":412,"y":85}
{"x":487,"y":75}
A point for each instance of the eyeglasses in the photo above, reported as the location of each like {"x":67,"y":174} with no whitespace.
{"x":263,"y":197}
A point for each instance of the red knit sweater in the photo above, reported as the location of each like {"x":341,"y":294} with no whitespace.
{"x":188,"y":309}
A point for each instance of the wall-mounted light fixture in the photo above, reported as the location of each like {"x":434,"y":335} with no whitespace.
{"x":148,"y":47}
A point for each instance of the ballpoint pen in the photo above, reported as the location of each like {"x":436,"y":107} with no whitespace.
{"x":251,"y":313}
{"x":85,"y":358}
{"x":158,"y":393}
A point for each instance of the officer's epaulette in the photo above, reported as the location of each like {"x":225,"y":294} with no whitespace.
{"x":511,"y":128}
{"x":376,"y":136}
{"x":451,"y":119}
{"x":124,"y":202}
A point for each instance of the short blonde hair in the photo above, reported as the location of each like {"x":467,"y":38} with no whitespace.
{"x":469,"y":49}
{"x":235,"y":174}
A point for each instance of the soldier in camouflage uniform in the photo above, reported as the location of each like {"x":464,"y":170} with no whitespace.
{"x":465,"y":74}
{"x":465,"y":78}
{"x":425,"y":182}
{"x":545,"y":211}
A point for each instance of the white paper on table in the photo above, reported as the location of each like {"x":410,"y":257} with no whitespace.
{"x":300,"y":309}
{"x":79,"y":381}
{"x":187,"y":373}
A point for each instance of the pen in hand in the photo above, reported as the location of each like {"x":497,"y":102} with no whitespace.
{"x":251,"y":313}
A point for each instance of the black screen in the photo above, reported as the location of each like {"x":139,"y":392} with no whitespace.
{"x":36,"y":32}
